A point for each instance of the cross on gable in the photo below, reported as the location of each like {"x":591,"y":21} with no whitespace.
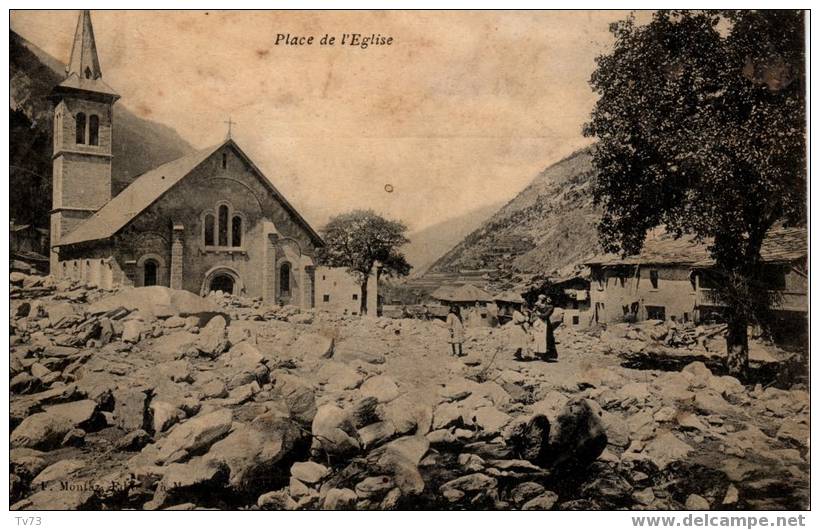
{"x":230,"y":124}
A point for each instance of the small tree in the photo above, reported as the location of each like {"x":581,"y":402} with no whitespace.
{"x":361,"y":241}
{"x":701,"y":128}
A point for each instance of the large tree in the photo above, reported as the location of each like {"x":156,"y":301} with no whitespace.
{"x":363,"y":241}
{"x":701,"y":127}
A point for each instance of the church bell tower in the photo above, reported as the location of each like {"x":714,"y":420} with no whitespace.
{"x":83,"y":121}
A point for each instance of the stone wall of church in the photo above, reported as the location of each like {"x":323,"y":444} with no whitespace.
{"x":202,"y":192}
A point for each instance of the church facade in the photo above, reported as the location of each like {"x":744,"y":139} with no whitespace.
{"x":207,"y":221}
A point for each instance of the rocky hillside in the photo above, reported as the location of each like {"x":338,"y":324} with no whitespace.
{"x":427,"y":245}
{"x":138,"y":144}
{"x":547,"y":226}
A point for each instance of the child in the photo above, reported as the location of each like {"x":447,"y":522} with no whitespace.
{"x":456,"y":327}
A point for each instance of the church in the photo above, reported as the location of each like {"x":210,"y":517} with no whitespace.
{"x":205,"y":222}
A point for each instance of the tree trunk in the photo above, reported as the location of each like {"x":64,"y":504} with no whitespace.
{"x":737,"y":347}
{"x":363,"y":305}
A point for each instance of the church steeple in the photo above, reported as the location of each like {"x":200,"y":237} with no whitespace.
{"x":84,"y":61}
{"x":83,"y":121}
{"x":83,"y":72}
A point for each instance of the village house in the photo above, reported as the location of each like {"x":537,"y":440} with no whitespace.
{"x":476,"y":304}
{"x":205,"y":222}
{"x":673,"y":279}
{"x":574,"y":299}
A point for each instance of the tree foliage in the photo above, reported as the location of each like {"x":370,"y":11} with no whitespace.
{"x":701,"y":128}
{"x":360,"y":240}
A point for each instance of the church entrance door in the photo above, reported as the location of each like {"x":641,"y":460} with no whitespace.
{"x":222,"y":282}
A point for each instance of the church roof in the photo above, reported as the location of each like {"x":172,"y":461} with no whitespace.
{"x":150,"y":186}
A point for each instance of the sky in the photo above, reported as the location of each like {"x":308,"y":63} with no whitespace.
{"x":461,"y":110}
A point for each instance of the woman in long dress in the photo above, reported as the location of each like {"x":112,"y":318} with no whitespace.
{"x":456,"y":327}
{"x":520,"y":338}
{"x":543,"y":336}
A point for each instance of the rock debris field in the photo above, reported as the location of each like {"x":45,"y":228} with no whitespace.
{"x":148,"y":398}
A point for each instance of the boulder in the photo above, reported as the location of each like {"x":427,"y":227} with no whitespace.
{"x":381,"y":387}
{"x":665,"y":449}
{"x":338,"y":376}
{"x":309,"y":472}
{"x":60,"y":471}
{"x":472,"y":483}
{"x":374,"y":487}
{"x":46,"y":430}
{"x":489,"y":419}
{"x":710,"y":402}
{"x":545,"y":501}
{"x":550,"y":405}
{"x":276,"y":500}
{"x":407,"y":415}
{"x":298,"y":397}
{"x":700,"y":372}
{"x":334,"y":432}
{"x":192,"y":436}
{"x":253,"y":452}
{"x":376,"y":433}
{"x":180,"y":371}
{"x":26,"y":463}
{"x":526,"y":491}
{"x":446,"y":415}
{"x":213,"y":338}
{"x":312,"y":346}
{"x":133,"y":441}
{"x":179,"y":480}
{"x":59,"y":311}
{"x":696,"y":502}
{"x":130,"y":408}
{"x":164,"y":416}
{"x":157,"y":302}
{"x":132,"y":330}
{"x":577,"y":436}
{"x":340,"y":499}
{"x":641,"y":425}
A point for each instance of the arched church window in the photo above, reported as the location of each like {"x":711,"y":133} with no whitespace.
{"x":223,"y":225}
{"x":80,"y":129}
{"x":209,"y":230}
{"x":284,"y":279}
{"x":94,"y":130}
{"x":87,"y":72}
{"x":224,"y":160}
{"x":236,"y":231}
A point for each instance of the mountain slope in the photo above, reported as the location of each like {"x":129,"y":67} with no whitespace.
{"x":139,"y":144}
{"x":429,"y":244}
{"x":549,"y":225}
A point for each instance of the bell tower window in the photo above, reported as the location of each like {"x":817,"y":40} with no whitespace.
{"x":79,"y":133}
{"x":94,"y":130}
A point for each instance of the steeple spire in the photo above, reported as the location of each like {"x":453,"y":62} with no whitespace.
{"x":84,"y":61}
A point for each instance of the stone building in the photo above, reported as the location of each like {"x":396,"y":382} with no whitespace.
{"x":207,"y":221}
{"x":672,"y":279}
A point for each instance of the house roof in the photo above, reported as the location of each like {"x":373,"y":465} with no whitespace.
{"x":781,"y":245}
{"x":511,"y":297}
{"x":463,"y":293}
{"x":150,"y":186}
